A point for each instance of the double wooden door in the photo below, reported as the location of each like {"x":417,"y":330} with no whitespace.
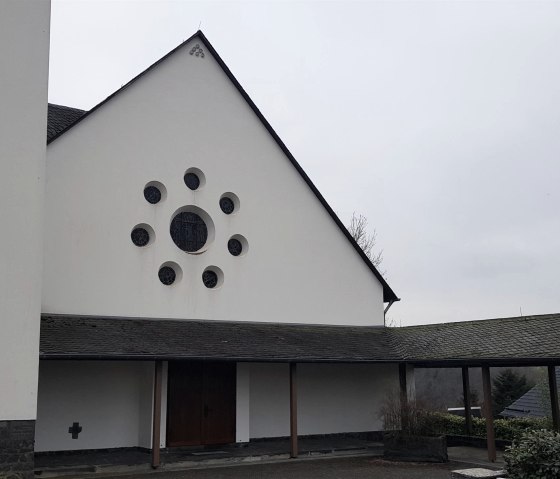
{"x":201,"y":403}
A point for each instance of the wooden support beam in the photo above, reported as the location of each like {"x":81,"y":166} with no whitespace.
{"x":293,"y":411}
{"x":488,"y":414}
{"x":156,"y":416}
{"x":553,"y":386}
{"x":403,"y":396}
{"x":467,"y":401}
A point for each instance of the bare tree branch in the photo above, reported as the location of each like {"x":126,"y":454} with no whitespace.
{"x":366,"y":241}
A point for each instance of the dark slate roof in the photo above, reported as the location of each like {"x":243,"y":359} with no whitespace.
{"x":531,"y":403}
{"x":61,"y":117}
{"x":90,"y":338}
{"x":388,"y":294}
{"x":525,"y":340}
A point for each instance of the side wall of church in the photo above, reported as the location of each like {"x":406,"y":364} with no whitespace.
{"x":296,"y":265}
{"x":24,"y":60}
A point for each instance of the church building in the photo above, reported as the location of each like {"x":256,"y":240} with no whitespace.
{"x":181,"y":232}
{"x":171,"y":277}
{"x":191,"y":271}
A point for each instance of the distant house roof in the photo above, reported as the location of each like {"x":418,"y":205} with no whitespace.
{"x":61,"y":117}
{"x":531,"y":404}
{"x":525,"y":340}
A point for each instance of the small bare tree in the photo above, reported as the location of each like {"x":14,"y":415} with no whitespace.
{"x":359,"y":231}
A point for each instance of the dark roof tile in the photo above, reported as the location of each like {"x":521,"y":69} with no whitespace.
{"x":59,"y":118}
{"x":527,"y":338}
{"x":533,"y":339}
{"x":91,"y":337}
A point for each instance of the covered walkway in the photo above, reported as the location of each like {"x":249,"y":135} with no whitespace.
{"x":511,"y":342}
{"x":519,"y":341}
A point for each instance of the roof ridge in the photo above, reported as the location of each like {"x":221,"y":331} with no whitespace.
{"x":88,"y":317}
{"x":507,"y":318}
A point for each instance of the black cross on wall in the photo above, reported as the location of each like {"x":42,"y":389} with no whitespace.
{"x":75,"y":430}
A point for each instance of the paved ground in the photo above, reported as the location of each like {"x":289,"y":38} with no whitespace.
{"x":268,"y":448}
{"x":474,"y":455}
{"x":339,"y":468}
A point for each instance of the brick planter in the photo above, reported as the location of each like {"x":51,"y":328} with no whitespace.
{"x":398,"y":446}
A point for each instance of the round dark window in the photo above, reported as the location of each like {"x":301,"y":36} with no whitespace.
{"x":140,"y":236}
{"x":189,"y":231}
{"x":227,"y":205}
{"x":152,"y":194}
{"x":210,"y":279}
{"x":192,"y":181}
{"x":235,"y":247}
{"x":167,"y":275}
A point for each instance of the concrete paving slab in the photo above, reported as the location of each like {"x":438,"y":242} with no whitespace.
{"x":477,"y":472}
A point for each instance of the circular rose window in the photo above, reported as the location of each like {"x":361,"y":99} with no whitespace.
{"x":189,"y":231}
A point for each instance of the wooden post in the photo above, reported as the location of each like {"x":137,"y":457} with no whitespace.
{"x":553,"y":386}
{"x":490,"y":438}
{"x":293,"y":411}
{"x":156,"y":414}
{"x":467,"y":400}
{"x":403,"y":396}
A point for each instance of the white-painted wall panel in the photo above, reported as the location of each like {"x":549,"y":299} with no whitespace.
{"x":186,"y":113}
{"x":110,"y":399}
{"x":24,"y":59}
{"x":269,"y":400}
{"x":332,"y":398}
{"x":242,"y":403}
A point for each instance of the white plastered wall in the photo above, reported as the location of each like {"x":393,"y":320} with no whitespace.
{"x":24,"y":58}
{"x":186,"y":113}
{"x":112,"y":401}
{"x":243,"y":403}
{"x":332,"y":398}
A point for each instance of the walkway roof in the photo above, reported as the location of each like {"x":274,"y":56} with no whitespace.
{"x":508,"y":341}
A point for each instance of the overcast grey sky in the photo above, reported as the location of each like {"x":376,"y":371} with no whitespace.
{"x":439,"y":121}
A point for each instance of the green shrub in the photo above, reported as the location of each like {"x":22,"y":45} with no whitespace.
{"x":534,"y":455}
{"x":438,"y":423}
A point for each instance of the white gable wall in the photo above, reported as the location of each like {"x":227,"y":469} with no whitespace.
{"x":187,"y":113}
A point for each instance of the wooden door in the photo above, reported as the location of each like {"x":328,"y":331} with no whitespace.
{"x":218,"y":424}
{"x":201,"y":403}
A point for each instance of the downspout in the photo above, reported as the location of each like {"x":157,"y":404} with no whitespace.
{"x":387,"y":309}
